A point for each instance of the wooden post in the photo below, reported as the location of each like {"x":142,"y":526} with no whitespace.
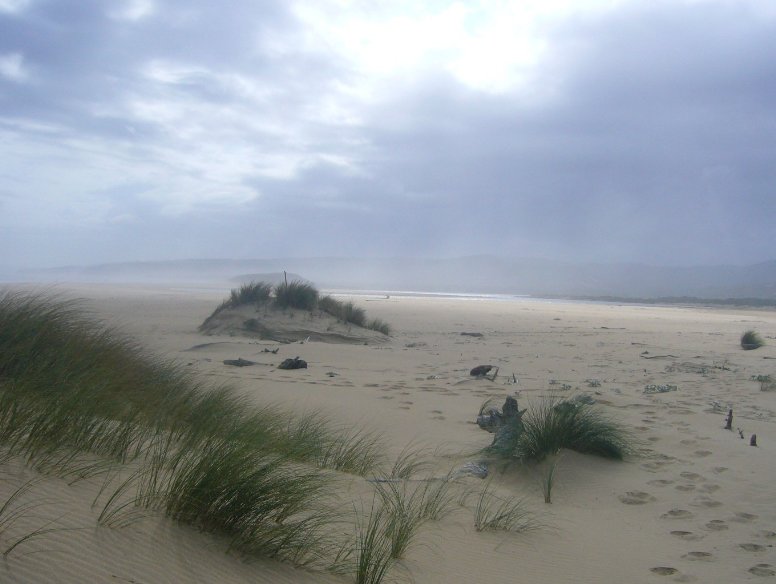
{"x":729,"y":421}
{"x":285,"y":278}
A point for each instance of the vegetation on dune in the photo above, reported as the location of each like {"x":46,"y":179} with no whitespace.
{"x":296,"y":295}
{"x":553,"y":424}
{"x":301,"y":296}
{"x":78,"y":399}
{"x":751,"y":340}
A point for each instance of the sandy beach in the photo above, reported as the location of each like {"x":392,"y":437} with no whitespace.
{"x":694,"y":504}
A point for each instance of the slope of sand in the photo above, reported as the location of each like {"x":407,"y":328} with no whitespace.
{"x":696,"y":504}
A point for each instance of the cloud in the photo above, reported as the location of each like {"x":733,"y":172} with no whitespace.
{"x":12,"y":67}
{"x":611,"y":130}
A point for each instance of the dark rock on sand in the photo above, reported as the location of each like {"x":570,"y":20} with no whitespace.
{"x":295,"y":363}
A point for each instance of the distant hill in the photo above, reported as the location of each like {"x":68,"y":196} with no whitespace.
{"x":476,"y":274}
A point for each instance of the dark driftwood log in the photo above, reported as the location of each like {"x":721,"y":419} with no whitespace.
{"x":753,"y":440}
{"x":239,"y":362}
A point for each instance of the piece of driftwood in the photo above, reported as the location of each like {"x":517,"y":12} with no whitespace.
{"x":753,"y":440}
{"x":729,"y":420}
{"x":477,"y":335}
{"x":484,"y":371}
{"x":659,"y":357}
{"x":239,"y":362}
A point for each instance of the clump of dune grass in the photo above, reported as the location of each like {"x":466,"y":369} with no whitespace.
{"x":380,"y":326}
{"x":296,"y":295}
{"x":553,"y":424}
{"x":494,"y":513}
{"x":368,"y":556}
{"x":751,"y":340}
{"x":78,"y":398}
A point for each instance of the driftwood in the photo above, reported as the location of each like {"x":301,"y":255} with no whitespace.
{"x":482,"y":371}
{"x":239,"y":362}
{"x":753,"y":440}
{"x":729,"y":420}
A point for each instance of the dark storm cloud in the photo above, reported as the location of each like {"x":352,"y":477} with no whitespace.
{"x":645,"y":133}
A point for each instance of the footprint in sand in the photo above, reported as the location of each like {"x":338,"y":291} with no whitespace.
{"x":636,"y":498}
{"x":663,"y":571}
{"x":677,"y":514}
{"x":741,"y":517}
{"x":686,"y":535}
{"x":719,"y":469}
{"x":717,"y":525}
{"x":762,"y":570}
{"x":706,"y":502}
{"x":767,"y":534}
{"x":751,"y":547}
{"x":685,"y":488}
{"x":702,"y":453}
{"x":698,"y":556}
{"x":710,"y":488}
{"x":660,"y":482}
{"x":691,"y":476}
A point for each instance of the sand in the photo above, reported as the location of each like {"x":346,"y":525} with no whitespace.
{"x":695,"y":505}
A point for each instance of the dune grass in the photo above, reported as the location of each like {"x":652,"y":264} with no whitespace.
{"x":78,"y":399}
{"x":494,"y":513}
{"x":302,"y":296}
{"x":367,"y":558}
{"x":552,"y":424}
{"x":751,"y":340}
{"x":296,"y":295}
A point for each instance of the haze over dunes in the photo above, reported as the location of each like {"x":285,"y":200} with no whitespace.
{"x":475,"y":274}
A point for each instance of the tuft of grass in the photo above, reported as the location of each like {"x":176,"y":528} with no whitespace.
{"x":493,"y":513}
{"x":409,"y":506}
{"x":296,"y":295}
{"x":562,"y":424}
{"x":750,"y":340}
{"x":548,"y":480}
{"x":380,"y":326}
{"x":553,"y":424}
{"x":368,"y":558}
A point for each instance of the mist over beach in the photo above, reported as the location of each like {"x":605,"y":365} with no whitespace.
{"x":356,"y":292}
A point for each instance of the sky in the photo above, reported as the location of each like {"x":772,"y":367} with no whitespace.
{"x":577,"y":130}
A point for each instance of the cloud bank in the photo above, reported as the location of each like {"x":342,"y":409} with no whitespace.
{"x":602,"y":130}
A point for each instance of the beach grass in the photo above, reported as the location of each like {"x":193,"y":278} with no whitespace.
{"x":78,"y":399}
{"x":296,"y":294}
{"x":751,"y":340}
{"x":493,"y":513}
{"x":552,"y":424}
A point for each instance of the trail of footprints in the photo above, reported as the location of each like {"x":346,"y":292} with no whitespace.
{"x":699,"y":488}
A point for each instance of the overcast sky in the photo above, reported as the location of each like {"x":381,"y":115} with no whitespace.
{"x":603,"y":130}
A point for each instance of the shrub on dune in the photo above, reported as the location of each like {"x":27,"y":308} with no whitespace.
{"x":751,"y":340}
{"x":553,"y":424}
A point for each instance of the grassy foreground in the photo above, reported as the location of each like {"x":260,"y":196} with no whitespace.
{"x":78,"y":399}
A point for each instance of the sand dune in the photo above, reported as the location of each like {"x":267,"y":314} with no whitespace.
{"x":694,"y":505}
